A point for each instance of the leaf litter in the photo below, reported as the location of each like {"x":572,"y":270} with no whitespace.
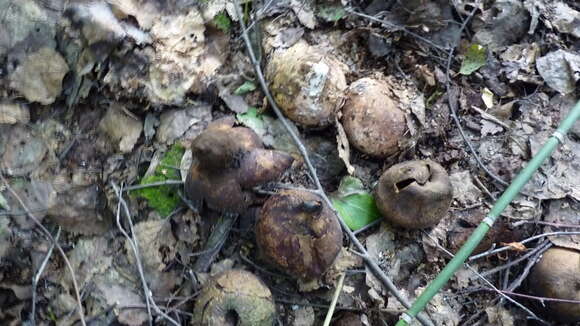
{"x":127,"y":80}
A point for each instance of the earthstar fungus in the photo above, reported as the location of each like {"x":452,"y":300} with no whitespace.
{"x":227,"y":163}
{"x":235,"y":297}
{"x":414,"y":194}
{"x":557,"y":275}
{"x":372,"y":120}
{"x":299,"y":233}
{"x":307,"y":84}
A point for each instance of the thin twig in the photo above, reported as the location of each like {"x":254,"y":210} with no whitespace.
{"x":527,"y":296}
{"x":518,"y":281}
{"x":489,"y":117}
{"x":556,"y":225}
{"x":159,"y":311}
{"x":541,"y":247}
{"x":533,"y":297}
{"x":539,"y":236}
{"x":452,"y":101}
{"x":368,"y":226}
{"x":317,"y":305}
{"x":135,"y":247}
{"x":399,"y":27}
{"x":486,"y":281}
{"x":369,"y":261}
{"x":154,"y":184}
{"x":55,"y":243}
{"x":337,"y":292}
{"x":36,"y":278}
{"x":119,"y":192}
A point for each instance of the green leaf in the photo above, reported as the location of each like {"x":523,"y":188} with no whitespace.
{"x":253,"y":120}
{"x":475,"y":58}
{"x":331,"y":12}
{"x":223,"y":22}
{"x":246,"y":87}
{"x":354,"y":204}
{"x":4,"y":203}
{"x":163,"y":199}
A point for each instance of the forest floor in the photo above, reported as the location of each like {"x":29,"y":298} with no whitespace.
{"x":101,"y":100}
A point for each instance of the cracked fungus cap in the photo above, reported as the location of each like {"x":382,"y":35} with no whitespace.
{"x":414,"y":194}
{"x":234,"y":298}
{"x":372,"y":120}
{"x":557,"y":275}
{"x":227,"y":163}
{"x":307,"y":84}
{"x":299,"y":233}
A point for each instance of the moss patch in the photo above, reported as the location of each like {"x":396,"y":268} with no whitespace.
{"x":163,"y":199}
{"x":223,"y":22}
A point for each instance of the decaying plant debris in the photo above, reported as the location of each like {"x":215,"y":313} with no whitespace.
{"x":102,"y":101}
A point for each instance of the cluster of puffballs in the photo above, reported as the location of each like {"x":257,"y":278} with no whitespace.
{"x":295,"y":230}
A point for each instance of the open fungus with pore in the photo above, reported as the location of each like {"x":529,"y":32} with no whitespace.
{"x":372,"y":119}
{"x":227,"y":163}
{"x":232,"y":298}
{"x":307,"y":84}
{"x":299,"y":233}
{"x":414,"y":194}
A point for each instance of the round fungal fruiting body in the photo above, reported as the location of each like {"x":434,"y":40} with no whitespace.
{"x":234,"y":293}
{"x":414,"y":194}
{"x":307,"y":84}
{"x":373,"y":122}
{"x":557,"y":275}
{"x":349,"y":319}
{"x":299,"y":233}
{"x":227,"y":163}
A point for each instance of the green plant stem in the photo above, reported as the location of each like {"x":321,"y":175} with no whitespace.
{"x":334,"y":300}
{"x":506,"y":198}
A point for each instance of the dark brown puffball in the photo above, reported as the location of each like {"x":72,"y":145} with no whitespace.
{"x":234,"y":293}
{"x":227,"y":163}
{"x":299,"y":233}
{"x":557,"y":275}
{"x":307,"y":84}
{"x":414,"y":194}
{"x":372,"y":120}
{"x":349,"y":319}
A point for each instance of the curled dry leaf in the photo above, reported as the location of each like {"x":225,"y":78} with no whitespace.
{"x":123,"y":130}
{"x":81,"y":210}
{"x":414,"y":194}
{"x":39,"y":76}
{"x":21,"y":150}
{"x":343,"y":147}
{"x":11,"y":113}
{"x":299,"y":233}
{"x":516,"y":246}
